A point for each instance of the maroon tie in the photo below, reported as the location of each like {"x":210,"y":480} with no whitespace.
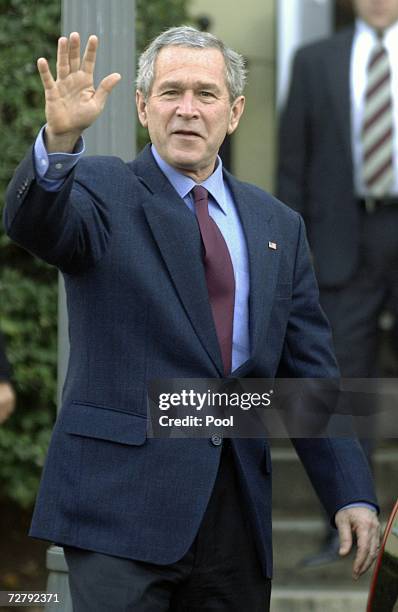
{"x":219,"y":275}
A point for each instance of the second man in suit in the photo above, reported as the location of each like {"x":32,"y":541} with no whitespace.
{"x":338,"y":166}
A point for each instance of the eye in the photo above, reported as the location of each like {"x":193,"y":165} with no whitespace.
{"x":206,"y":94}
{"x":170,"y":93}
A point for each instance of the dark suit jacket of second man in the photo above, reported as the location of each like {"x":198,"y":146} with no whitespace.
{"x":315,"y":174}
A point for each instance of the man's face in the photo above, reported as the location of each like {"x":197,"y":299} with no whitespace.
{"x":188,"y":112}
{"x":379,"y":14}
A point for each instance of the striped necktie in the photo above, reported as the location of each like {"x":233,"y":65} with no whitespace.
{"x":377,"y":130}
{"x":219,"y":275}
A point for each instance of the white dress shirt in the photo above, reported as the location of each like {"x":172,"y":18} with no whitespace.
{"x":365,"y":39}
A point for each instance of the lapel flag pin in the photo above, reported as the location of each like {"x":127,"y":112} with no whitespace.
{"x":272,"y":245}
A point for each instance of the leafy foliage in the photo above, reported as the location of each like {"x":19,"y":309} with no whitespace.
{"x":28,"y":288}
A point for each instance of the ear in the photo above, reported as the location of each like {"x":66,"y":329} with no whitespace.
{"x":235,"y":114}
{"x":141,"y":108}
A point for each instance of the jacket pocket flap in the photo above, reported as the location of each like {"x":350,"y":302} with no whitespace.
{"x":103,"y":423}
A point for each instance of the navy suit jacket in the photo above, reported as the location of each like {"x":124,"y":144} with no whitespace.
{"x":315,"y":170}
{"x":130,"y":252}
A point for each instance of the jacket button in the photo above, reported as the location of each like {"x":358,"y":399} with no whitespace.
{"x":216,"y":440}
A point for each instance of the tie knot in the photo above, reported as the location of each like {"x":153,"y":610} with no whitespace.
{"x":380,"y":35}
{"x":378,"y":53}
{"x":200,"y":194}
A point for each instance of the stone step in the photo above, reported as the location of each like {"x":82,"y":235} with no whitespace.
{"x":289,"y":475}
{"x":332,"y":599}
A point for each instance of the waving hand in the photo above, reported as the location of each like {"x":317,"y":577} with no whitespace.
{"x":72,"y":102}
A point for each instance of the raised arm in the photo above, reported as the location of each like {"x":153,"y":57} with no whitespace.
{"x":72,"y":102}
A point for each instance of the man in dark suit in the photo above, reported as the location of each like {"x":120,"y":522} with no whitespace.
{"x":338,"y":166}
{"x":173,"y":269}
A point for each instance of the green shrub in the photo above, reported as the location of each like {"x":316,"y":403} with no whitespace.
{"x":28,"y":288}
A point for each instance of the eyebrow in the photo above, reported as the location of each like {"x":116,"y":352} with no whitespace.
{"x":198,"y":85}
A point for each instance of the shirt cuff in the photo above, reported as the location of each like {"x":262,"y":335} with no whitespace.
{"x":360,"y":505}
{"x":53,"y":168}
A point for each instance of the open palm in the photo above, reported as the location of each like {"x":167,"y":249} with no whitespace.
{"x":72,"y":102}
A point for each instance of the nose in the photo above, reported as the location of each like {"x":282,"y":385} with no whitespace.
{"x":187,"y":106}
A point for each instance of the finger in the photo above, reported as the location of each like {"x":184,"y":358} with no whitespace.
{"x":105,"y":88}
{"x":74,"y":51}
{"x":376,"y":541}
{"x":364,"y":557}
{"x":363,"y":568}
{"x":373,"y":544}
{"x":63,"y":67}
{"x":361,"y":557}
{"x":45,"y":73}
{"x":90,"y":53}
{"x":345,"y":537}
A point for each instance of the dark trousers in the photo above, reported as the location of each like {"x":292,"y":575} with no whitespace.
{"x":220,"y":571}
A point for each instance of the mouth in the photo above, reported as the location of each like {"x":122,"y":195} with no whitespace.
{"x":186,"y":134}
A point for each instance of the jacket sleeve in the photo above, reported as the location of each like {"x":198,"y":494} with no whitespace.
{"x":336,"y":466}
{"x":68,"y":228}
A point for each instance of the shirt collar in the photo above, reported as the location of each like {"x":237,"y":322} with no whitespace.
{"x":363,"y":29}
{"x":390,"y":34}
{"x":184,"y":184}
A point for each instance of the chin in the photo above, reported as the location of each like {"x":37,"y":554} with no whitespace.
{"x":380,"y":23}
{"x":183,"y":160}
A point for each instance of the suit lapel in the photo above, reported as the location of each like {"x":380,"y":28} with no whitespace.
{"x":337,"y":67}
{"x":177,"y":235}
{"x":260,"y":230}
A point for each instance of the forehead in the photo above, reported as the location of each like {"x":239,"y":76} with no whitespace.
{"x":189,"y":63}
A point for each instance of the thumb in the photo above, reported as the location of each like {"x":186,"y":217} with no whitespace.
{"x":345,"y":536}
{"x":105,"y":87}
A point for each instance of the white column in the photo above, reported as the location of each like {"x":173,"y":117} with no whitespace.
{"x":112,"y":134}
{"x":298,"y":22}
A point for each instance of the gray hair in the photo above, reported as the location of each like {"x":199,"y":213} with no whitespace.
{"x":186,"y":36}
